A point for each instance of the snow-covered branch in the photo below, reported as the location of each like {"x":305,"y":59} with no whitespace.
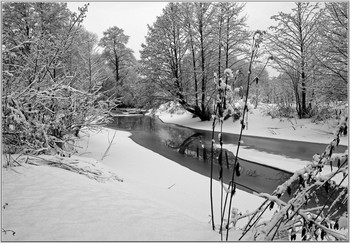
{"x":291,"y":214}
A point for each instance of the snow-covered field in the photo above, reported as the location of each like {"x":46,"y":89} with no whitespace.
{"x":158,"y":200}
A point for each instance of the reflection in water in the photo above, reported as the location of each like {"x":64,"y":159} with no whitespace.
{"x":191,"y":148}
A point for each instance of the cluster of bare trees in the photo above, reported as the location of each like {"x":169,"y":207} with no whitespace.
{"x":51,"y":78}
{"x":186,"y":45}
{"x":52,"y":64}
{"x":191,"y":41}
{"x":55,"y":78}
{"x":310,"y":46}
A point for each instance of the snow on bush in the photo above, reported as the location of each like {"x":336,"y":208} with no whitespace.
{"x":170,"y":107}
{"x":240,"y":105}
{"x":45,"y":121}
{"x":224,"y":107}
{"x":291,"y":218}
{"x":324,"y":112}
{"x":44,"y":105}
{"x":277,"y":111}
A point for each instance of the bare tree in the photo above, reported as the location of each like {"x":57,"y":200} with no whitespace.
{"x":182,"y":49}
{"x":292,"y":42}
{"x":42,"y":111}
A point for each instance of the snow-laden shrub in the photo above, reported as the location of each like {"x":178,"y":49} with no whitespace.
{"x":277,"y":111}
{"x":323,"y":113}
{"x":292,"y":218}
{"x":48,"y":95}
{"x":240,"y":105}
{"x":224,"y":107}
{"x":47,"y":121}
{"x":170,"y":107}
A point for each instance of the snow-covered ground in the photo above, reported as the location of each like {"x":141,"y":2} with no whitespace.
{"x":158,"y":200}
{"x":262,"y":126}
{"x":273,"y":160}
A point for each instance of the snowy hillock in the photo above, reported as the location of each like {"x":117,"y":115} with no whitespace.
{"x":171,"y":107}
{"x":171,"y":111}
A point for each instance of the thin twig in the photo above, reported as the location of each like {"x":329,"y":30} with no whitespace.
{"x":109,"y":146}
{"x":242,"y":127}
{"x":171,"y":186}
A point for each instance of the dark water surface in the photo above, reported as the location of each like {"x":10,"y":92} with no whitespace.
{"x":191,"y":148}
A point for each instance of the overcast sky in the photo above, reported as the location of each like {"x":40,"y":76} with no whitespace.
{"x":133,"y":17}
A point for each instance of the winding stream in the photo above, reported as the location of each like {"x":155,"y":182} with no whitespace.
{"x":191,"y":148}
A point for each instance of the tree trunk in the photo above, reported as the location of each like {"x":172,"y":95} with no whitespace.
{"x":195,"y":110}
{"x":256,"y":96}
{"x":297,"y":101}
{"x":202,"y":61}
{"x":116,"y":59}
{"x":90,"y":67}
{"x":219,"y":37}
{"x":194,"y":71}
{"x":303,"y":94}
{"x":302,"y":63}
{"x":116,"y":70}
{"x":227,"y":40}
{"x":193,"y":52}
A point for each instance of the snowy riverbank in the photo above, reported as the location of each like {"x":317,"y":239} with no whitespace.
{"x":159,"y":200}
{"x":264,"y":126}
{"x":261,"y":126}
